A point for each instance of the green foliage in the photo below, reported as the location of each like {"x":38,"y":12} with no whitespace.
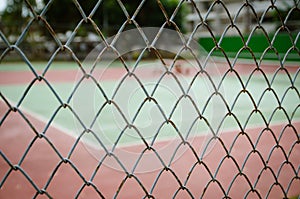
{"x":10,"y":17}
{"x":63,"y":15}
{"x":292,"y":18}
{"x":15,"y":17}
{"x":110,"y":16}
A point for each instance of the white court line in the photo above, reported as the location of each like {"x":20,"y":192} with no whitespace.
{"x":251,"y":61}
{"x":41,"y":118}
{"x":68,"y":132}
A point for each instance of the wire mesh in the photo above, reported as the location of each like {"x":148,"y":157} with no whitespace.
{"x":228,"y":150}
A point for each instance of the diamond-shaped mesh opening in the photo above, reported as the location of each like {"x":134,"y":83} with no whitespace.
{"x":58,"y":16}
{"x":149,"y":99}
{"x":102,"y":16}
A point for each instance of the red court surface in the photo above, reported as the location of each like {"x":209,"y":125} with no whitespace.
{"x":41,"y":161}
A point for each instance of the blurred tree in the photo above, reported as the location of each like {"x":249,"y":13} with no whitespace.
{"x":14,"y":17}
{"x":63,"y":15}
{"x":293,"y":19}
{"x":109,"y":16}
{"x":150,"y":14}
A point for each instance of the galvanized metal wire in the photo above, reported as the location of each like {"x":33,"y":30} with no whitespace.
{"x":244,"y":83}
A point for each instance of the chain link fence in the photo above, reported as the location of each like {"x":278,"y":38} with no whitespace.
{"x":250,"y":154}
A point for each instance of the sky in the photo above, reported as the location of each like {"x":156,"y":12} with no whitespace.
{"x":2,"y":5}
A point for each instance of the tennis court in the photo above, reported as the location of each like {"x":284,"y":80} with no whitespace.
{"x":64,"y":80}
{"x":69,"y":138}
{"x":38,"y":96}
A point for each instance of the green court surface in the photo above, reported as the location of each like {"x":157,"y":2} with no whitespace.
{"x":55,"y":65}
{"x":16,"y":66}
{"x":89,"y":109}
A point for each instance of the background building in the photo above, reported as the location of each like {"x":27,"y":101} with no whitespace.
{"x":217,"y":17}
